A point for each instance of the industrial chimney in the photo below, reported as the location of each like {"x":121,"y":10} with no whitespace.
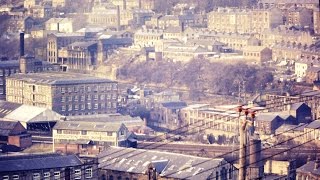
{"x":118,"y":19}
{"x":124,"y":4}
{"x":256,"y":168}
{"x":21,"y":43}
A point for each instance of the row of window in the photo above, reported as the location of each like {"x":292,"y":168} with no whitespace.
{"x":83,"y":132}
{"x":101,"y":88}
{"x":56,"y":175}
{"x":88,"y":106}
{"x":88,"y":97}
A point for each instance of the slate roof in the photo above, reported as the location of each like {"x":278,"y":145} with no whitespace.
{"x":51,"y":78}
{"x":309,"y":168}
{"x":174,"y":105}
{"x":28,"y":163}
{"x":291,"y":128}
{"x":170,"y":165}
{"x":266,"y":117}
{"x":6,"y":127}
{"x":7,"y":107}
{"x":12,"y":63}
{"x":314,"y":125}
{"x":296,"y":106}
{"x":88,"y":125}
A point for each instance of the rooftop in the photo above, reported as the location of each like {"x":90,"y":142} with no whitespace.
{"x":32,"y":162}
{"x":61,"y":78}
{"x":168,"y":165}
{"x":88,"y":125}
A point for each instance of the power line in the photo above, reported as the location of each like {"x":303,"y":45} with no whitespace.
{"x":150,"y":145}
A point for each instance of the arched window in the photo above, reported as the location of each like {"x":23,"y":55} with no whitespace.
{"x":119,"y":178}
{"x":110,"y":177}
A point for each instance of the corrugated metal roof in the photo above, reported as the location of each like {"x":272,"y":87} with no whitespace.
{"x":88,"y":126}
{"x":170,"y":165}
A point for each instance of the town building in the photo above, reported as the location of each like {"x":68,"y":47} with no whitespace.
{"x":299,"y":17}
{"x":316,"y":21}
{"x":276,"y":103}
{"x":27,"y":114}
{"x":301,"y":67}
{"x":41,"y":11}
{"x":167,"y":115}
{"x":13,"y":133}
{"x":284,"y":169}
{"x":285,"y":4}
{"x":258,"y":54}
{"x":122,"y":163}
{"x":88,"y":137}
{"x":55,"y":43}
{"x":7,"y":68}
{"x":310,"y":170}
{"x":47,"y":166}
{"x":63,"y":25}
{"x":82,"y":56}
{"x":137,"y":4}
{"x":64,"y":93}
{"x":103,"y":15}
{"x":229,"y":20}
{"x":313,"y":75}
{"x":312,"y":132}
{"x":147,"y":37}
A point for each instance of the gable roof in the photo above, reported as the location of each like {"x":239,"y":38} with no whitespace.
{"x":296,"y":106}
{"x":6,"y":127}
{"x":266,"y":117}
{"x":314,"y":125}
{"x":309,"y":168}
{"x":28,"y":163}
{"x":88,"y":125}
{"x":26,"y":113}
{"x":7,"y":107}
{"x":170,"y":165}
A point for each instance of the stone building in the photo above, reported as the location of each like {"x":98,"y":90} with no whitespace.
{"x":285,"y":4}
{"x":316,"y":21}
{"x":82,"y":56}
{"x":258,"y":54}
{"x":47,"y":166}
{"x":55,"y":43}
{"x":121,"y":163}
{"x":65,"y":93}
{"x":244,"y":21}
{"x":310,"y":170}
{"x":88,"y":137}
{"x":299,"y":16}
{"x":167,"y":115}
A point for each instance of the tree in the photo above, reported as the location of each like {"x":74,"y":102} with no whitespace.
{"x":211,"y":139}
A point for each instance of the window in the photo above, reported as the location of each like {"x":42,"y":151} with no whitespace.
{"x":82,"y":98}
{"x":59,"y":131}
{"x":56,"y":175}
{"x":63,"y":108}
{"x":5,"y":177}
{"x":70,"y":108}
{"x":46,"y":175}
{"x":96,"y":106}
{"x":63,"y":90}
{"x":83,"y":132}
{"x":15,"y":177}
{"x":76,"y":98}
{"x":89,"y":105}
{"x":36,"y":176}
{"x":63,"y":99}
{"x":109,"y":133}
{"x":76,"y":107}
{"x":121,"y":132}
{"x":77,"y":174}
{"x":89,"y":97}
{"x":95,"y":97}
{"x":88,"y":173}
{"x":82,"y":107}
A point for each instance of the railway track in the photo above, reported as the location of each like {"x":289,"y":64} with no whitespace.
{"x":215,"y":150}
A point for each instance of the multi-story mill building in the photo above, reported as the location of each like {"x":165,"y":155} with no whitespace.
{"x":66,"y":93}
